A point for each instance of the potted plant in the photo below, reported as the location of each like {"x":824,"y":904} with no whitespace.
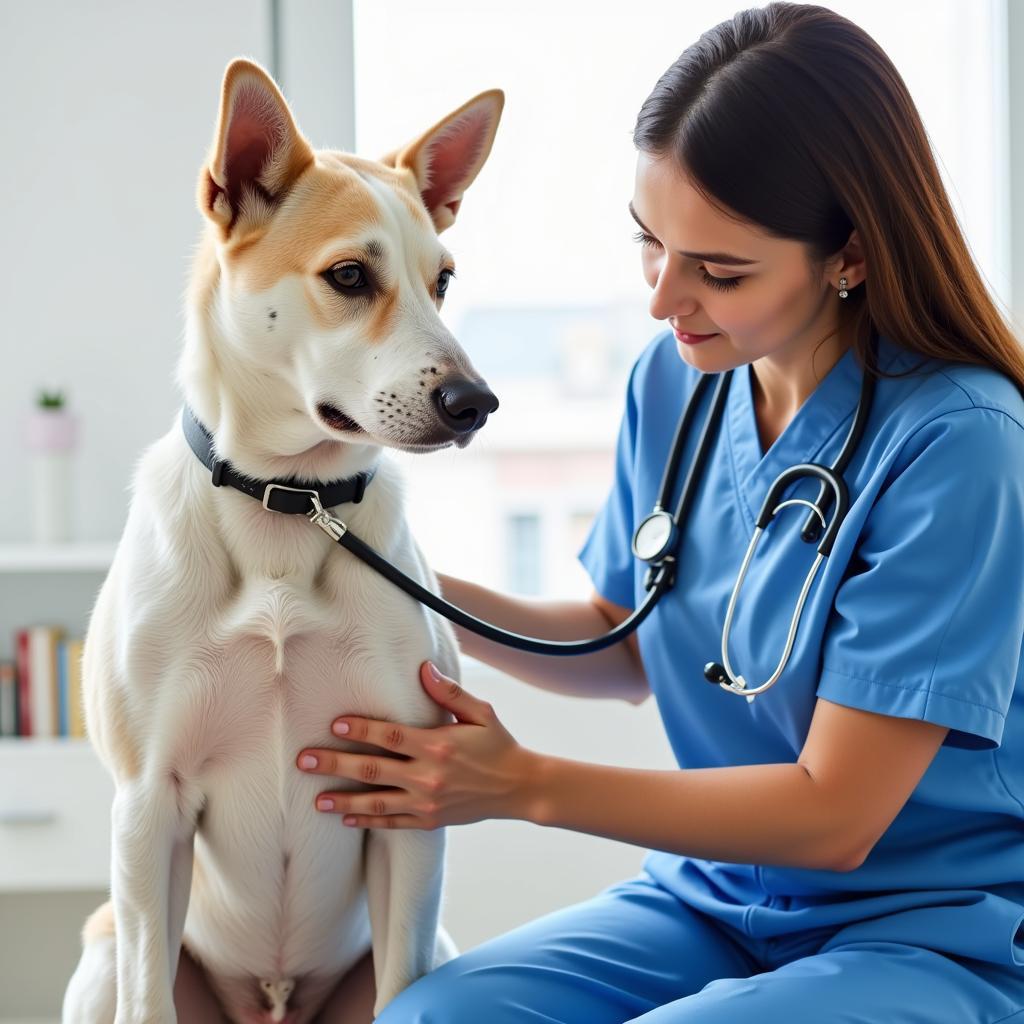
{"x":52,"y":437}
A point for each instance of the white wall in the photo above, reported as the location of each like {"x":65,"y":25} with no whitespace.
{"x":109,"y":109}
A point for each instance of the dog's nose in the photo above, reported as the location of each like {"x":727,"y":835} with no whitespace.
{"x":464,"y":404}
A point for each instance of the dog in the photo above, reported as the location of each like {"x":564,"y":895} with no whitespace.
{"x":227,"y":635}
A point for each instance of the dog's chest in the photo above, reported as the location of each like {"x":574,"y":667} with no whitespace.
{"x":284,"y":656}
{"x":272,"y":614}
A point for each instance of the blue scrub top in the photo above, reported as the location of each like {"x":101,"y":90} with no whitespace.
{"x":917,"y":613}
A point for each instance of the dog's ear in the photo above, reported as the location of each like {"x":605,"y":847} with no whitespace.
{"x":446,"y":158}
{"x":257,"y":152}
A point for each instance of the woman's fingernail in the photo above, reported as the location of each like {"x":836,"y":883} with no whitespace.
{"x":340,"y":728}
{"x":434,"y":672}
{"x":324,"y":803}
{"x":307,"y":761}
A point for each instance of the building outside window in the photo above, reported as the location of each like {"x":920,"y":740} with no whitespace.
{"x":523,"y":553}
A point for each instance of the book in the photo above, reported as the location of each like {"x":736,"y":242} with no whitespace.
{"x":21,"y":646}
{"x":43,"y":685}
{"x":62,"y":688}
{"x":8,"y":698}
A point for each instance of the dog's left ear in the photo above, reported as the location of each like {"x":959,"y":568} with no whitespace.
{"x":257,"y":153}
{"x":445,"y":159}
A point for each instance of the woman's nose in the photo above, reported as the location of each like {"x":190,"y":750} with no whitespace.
{"x":669,"y":296}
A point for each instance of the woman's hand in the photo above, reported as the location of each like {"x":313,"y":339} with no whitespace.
{"x":449,"y":775}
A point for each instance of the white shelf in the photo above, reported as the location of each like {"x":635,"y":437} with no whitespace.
{"x":79,"y":556}
{"x":40,"y":743}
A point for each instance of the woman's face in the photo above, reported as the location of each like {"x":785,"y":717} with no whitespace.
{"x":769,"y":304}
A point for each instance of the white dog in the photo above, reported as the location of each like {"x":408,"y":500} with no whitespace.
{"x":228,"y":635}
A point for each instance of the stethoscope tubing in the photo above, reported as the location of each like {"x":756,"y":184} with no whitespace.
{"x":348,"y":540}
{"x":659,"y":579}
{"x":661,"y":574}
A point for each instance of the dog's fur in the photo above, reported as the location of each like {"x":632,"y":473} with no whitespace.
{"x":227,"y":637}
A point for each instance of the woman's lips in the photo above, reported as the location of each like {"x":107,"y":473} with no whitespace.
{"x":692,"y":339}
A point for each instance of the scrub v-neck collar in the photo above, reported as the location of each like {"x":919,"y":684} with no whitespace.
{"x":824,"y":410}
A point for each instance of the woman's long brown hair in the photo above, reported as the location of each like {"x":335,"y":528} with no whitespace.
{"x":793,"y":118}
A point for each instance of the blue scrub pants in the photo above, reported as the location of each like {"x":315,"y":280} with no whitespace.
{"x":636,"y":953}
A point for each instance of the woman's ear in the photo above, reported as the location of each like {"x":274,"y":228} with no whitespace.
{"x":849,"y":262}
{"x":447,"y":157}
{"x":257,"y":152}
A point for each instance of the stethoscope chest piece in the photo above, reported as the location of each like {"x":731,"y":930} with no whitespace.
{"x":655,"y":537}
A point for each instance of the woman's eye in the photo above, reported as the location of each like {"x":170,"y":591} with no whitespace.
{"x":349,"y":276}
{"x":724,"y":283}
{"x":442,"y":281}
{"x":721,"y":283}
{"x":646,"y":240}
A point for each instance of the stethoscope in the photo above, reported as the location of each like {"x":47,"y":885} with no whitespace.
{"x":656,"y":540}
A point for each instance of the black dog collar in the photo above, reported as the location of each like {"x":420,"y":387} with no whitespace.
{"x":290,"y":495}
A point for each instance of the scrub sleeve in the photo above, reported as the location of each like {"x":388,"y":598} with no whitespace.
{"x":924,"y":626}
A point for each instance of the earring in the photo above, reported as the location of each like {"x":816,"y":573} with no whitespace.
{"x":842,"y":288}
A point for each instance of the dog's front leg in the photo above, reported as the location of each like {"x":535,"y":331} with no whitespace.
{"x":404,"y":877}
{"x":149,"y":889}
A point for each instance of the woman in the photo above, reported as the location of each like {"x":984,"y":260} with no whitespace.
{"x":849,"y":845}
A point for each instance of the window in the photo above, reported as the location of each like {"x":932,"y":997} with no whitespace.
{"x":522,"y":551}
{"x":549,"y":301}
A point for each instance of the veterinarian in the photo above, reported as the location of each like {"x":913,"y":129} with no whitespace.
{"x":849,"y":846}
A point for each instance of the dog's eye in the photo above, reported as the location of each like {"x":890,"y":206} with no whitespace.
{"x":442,"y":281}
{"x":347,"y":276}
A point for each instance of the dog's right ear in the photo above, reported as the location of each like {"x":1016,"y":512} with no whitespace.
{"x":446,"y":159}
{"x":257,"y":152}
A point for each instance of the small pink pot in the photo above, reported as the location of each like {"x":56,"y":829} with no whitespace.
{"x":52,"y":430}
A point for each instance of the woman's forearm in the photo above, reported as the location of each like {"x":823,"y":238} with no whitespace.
{"x":748,"y":814}
{"x":613,"y":672}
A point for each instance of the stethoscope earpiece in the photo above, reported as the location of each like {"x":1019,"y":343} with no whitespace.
{"x":714,"y":673}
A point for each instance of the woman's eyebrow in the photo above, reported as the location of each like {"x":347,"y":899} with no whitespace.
{"x":726,"y":259}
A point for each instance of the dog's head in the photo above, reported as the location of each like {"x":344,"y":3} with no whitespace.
{"x":325,"y":275}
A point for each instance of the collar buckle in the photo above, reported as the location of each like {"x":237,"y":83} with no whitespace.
{"x":282,"y":487}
